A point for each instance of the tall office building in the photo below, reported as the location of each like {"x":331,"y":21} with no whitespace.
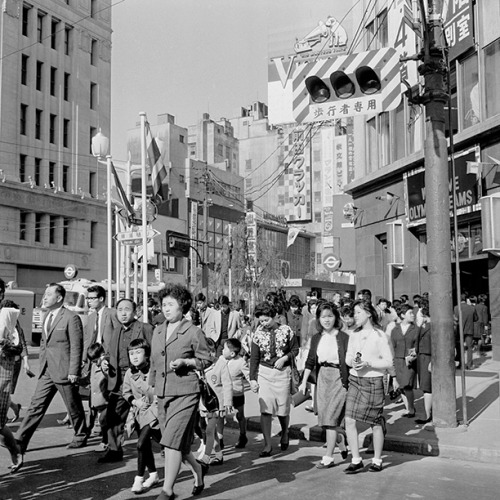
{"x":55,"y":67}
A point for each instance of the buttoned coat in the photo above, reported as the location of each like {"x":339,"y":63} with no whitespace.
{"x":187,"y":341}
{"x":214,"y":321}
{"x":61,"y":347}
{"x":139,"y":331}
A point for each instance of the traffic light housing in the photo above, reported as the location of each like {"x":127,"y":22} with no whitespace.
{"x":348,"y":85}
{"x":178,"y":244}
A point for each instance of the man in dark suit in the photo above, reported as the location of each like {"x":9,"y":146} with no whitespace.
{"x":469,"y":317}
{"x":60,"y":363}
{"x":118,"y":407}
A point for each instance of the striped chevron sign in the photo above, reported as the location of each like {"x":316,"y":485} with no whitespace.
{"x":349,"y":85}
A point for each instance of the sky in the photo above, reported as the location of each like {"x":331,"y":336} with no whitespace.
{"x":189,"y":57}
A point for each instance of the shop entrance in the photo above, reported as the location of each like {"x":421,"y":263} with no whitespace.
{"x":473,"y":277}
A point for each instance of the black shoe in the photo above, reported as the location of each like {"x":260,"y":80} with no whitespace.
{"x":409,"y":415}
{"x":284,"y":444}
{"x":423,"y":421}
{"x":164,"y":496}
{"x":111,"y":456}
{"x":265,"y":453}
{"x":77,"y":444}
{"x":344,"y":454}
{"x":198,"y":489}
{"x":242,"y":441}
{"x":375,"y":468}
{"x":354,"y":468}
{"x":221,"y":444}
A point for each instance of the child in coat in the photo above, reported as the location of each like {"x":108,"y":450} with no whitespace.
{"x":143,"y":412}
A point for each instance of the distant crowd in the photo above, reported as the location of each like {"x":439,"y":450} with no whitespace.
{"x":177,"y":376}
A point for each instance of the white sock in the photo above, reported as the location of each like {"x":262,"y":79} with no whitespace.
{"x":356,"y":461}
{"x":326,"y":460}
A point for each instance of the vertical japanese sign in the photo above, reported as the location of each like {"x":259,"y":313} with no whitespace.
{"x":251,"y":222}
{"x":193,"y":234}
{"x":458,"y":26}
{"x":328,"y":181}
{"x":340,"y":164}
{"x":350,"y":149}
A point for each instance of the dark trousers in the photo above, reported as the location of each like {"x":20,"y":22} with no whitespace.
{"x":469,"y":344}
{"x":145,"y":456}
{"x":114,"y":419}
{"x":45,"y":391}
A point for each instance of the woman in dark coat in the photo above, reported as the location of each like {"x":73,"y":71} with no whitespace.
{"x":178,"y":349}
{"x":327,"y":359}
{"x":424,"y":351}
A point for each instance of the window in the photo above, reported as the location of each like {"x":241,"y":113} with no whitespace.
{"x":22,"y":119}
{"x":93,"y":131}
{"x":52,"y":174}
{"x":378,"y":34}
{"x":93,"y":235}
{"x":39,"y":73}
{"x":53,"y":77}
{"x":65,"y":178}
{"x":92,"y":184}
{"x":54,"y":26}
{"x":26,"y":19}
{"x":52,"y":128}
{"x":23,"y":225}
{"x":93,"y":52}
{"x":181,"y":139}
{"x":248,"y":164}
{"x":492,"y":78}
{"x":38,"y":227}
{"x":38,"y":123}
{"x":317,"y":216}
{"x":93,"y":8}
{"x":67,"y":40}
{"x":317,"y":177}
{"x":52,"y":229}
{"x":220,"y":149}
{"x":22,"y":168}
{"x":66,"y":86}
{"x":66,"y":133}
{"x":470,"y":103}
{"x":39,"y":27}
{"x":65,"y":231}
{"x":24,"y":69}
{"x":319,"y":259}
{"x":38,"y":170}
{"x":248,"y":184}
{"x":93,"y":95}
{"x":317,"y":197}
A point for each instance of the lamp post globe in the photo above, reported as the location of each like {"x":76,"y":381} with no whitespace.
{"x":100,"y":145}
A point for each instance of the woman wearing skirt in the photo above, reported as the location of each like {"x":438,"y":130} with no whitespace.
{"x":273,"y":346}
{"x":327,"y":359}
{"x":369,"y":354}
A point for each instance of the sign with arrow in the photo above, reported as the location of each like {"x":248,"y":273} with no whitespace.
{"x":132,"y":238}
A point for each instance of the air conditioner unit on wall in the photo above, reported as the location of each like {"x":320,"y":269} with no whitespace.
{"x":395,"y":244}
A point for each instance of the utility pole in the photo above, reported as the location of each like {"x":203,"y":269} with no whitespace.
{"x":437,"y":197}
{"x":204,"y":264}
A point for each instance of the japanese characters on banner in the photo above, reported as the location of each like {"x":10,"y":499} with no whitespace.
{"x":403,"y":38}
{"x":458,"y":26}
{"x":251,"y":223}
{"x":193,"y":234}
{"x":350,"y":149}
{"x":328,"y":181}
{"x":340,"y":164}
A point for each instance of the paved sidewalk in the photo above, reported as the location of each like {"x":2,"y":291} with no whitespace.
{"x":479,"y":441}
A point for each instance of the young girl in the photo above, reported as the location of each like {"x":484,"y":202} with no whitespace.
{"x":218,"y":377}
{"x":144,"y":408}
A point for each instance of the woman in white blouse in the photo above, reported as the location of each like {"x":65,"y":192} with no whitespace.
{"x":327,"y":359}
{"x":369,"y":354}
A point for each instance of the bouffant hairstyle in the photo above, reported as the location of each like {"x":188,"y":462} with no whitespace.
{"x":180,"y":293}
{"x":327,"y":306}
{"x":265,"y":309}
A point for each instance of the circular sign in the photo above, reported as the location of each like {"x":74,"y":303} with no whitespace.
{"x":70,"y":271}
{"x":331,"y":262}
{"x":245,"y":296}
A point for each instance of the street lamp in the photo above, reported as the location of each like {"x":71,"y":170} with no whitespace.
{"x":100,"y":148}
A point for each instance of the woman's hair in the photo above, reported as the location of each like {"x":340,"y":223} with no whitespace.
{"x":382,"y":299}
{"x":140,"y":344}
{"x":295,"y":301}
{"x":403,"y":309}
{"x":8,"y":303}
{"x":347,"y":311}
{"x":369,"y":309}
{"x":265,"y":309}
{"x":312,"y":302}
{"x":424,"y":308}
{"x":327,"y":306}
{"x":179,"y":293}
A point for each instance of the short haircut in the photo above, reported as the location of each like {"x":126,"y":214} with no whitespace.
{"x":224,"y":300}
{"x":97,"y":289}
{"x":383,"y":299}
{"x":140,"y":344}
{"x":403,"y":309}
{"x":295,"y":301}
{"x":265,"y":309}
{"x":60,"y":290}
{"x":347,"y":311}
{"x":367,"y":294}
{"x":327,"y":306}
{"x":179,"y":293}
{"x":134,"y":305}
{"x":404,"y":297}
{"x":234,"y":345}
{"x":200,"y":297}
{"x":95,"y":351}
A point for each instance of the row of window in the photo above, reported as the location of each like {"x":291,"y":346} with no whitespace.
{"x":54,"y":31}
{"x":41,"y":77}
{"x":40,"y":126}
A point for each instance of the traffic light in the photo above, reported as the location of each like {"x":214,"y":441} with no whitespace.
{"x":348,"y":85}
{"x":178,"y":244}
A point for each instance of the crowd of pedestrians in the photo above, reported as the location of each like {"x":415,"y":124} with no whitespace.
{"x":144,"y":377}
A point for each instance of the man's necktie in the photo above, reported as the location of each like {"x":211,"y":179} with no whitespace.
{"x":96,"y":328}
{"x":49,"y":323}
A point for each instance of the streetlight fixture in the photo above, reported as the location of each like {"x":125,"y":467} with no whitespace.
{"x":100,"y":148}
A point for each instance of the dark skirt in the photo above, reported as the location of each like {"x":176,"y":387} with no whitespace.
{"x":424,"y":375}
{"x":405,"y":376}
{"x":331,"y":396}
{"x":177,"y":417}
{"x":365,"y":399}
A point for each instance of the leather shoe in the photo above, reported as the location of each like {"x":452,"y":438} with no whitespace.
{"x":198,"y":489}
{"x":111,"y":456}
{"x":321,"y":465}
{"x":77,"y":444}
{"x":164,"y":496}
{"x":242,"y":441}
{"x":409,"y":415}
{"x":354,"y":468}
{"x":423,"y":421}
{"x":265,"y":453}
{"x":375,"y":468}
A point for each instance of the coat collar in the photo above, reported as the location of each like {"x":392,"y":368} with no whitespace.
{"x":181,"y":328}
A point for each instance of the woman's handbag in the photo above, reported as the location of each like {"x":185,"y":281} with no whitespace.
{"x":208,"y":397}
{"x":294,"y":376}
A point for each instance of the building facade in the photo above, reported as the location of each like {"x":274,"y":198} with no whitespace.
{"x":55,"y":96}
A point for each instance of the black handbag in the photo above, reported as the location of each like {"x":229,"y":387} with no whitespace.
{"x":207,"y":394}
{"x":294,"y":377}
